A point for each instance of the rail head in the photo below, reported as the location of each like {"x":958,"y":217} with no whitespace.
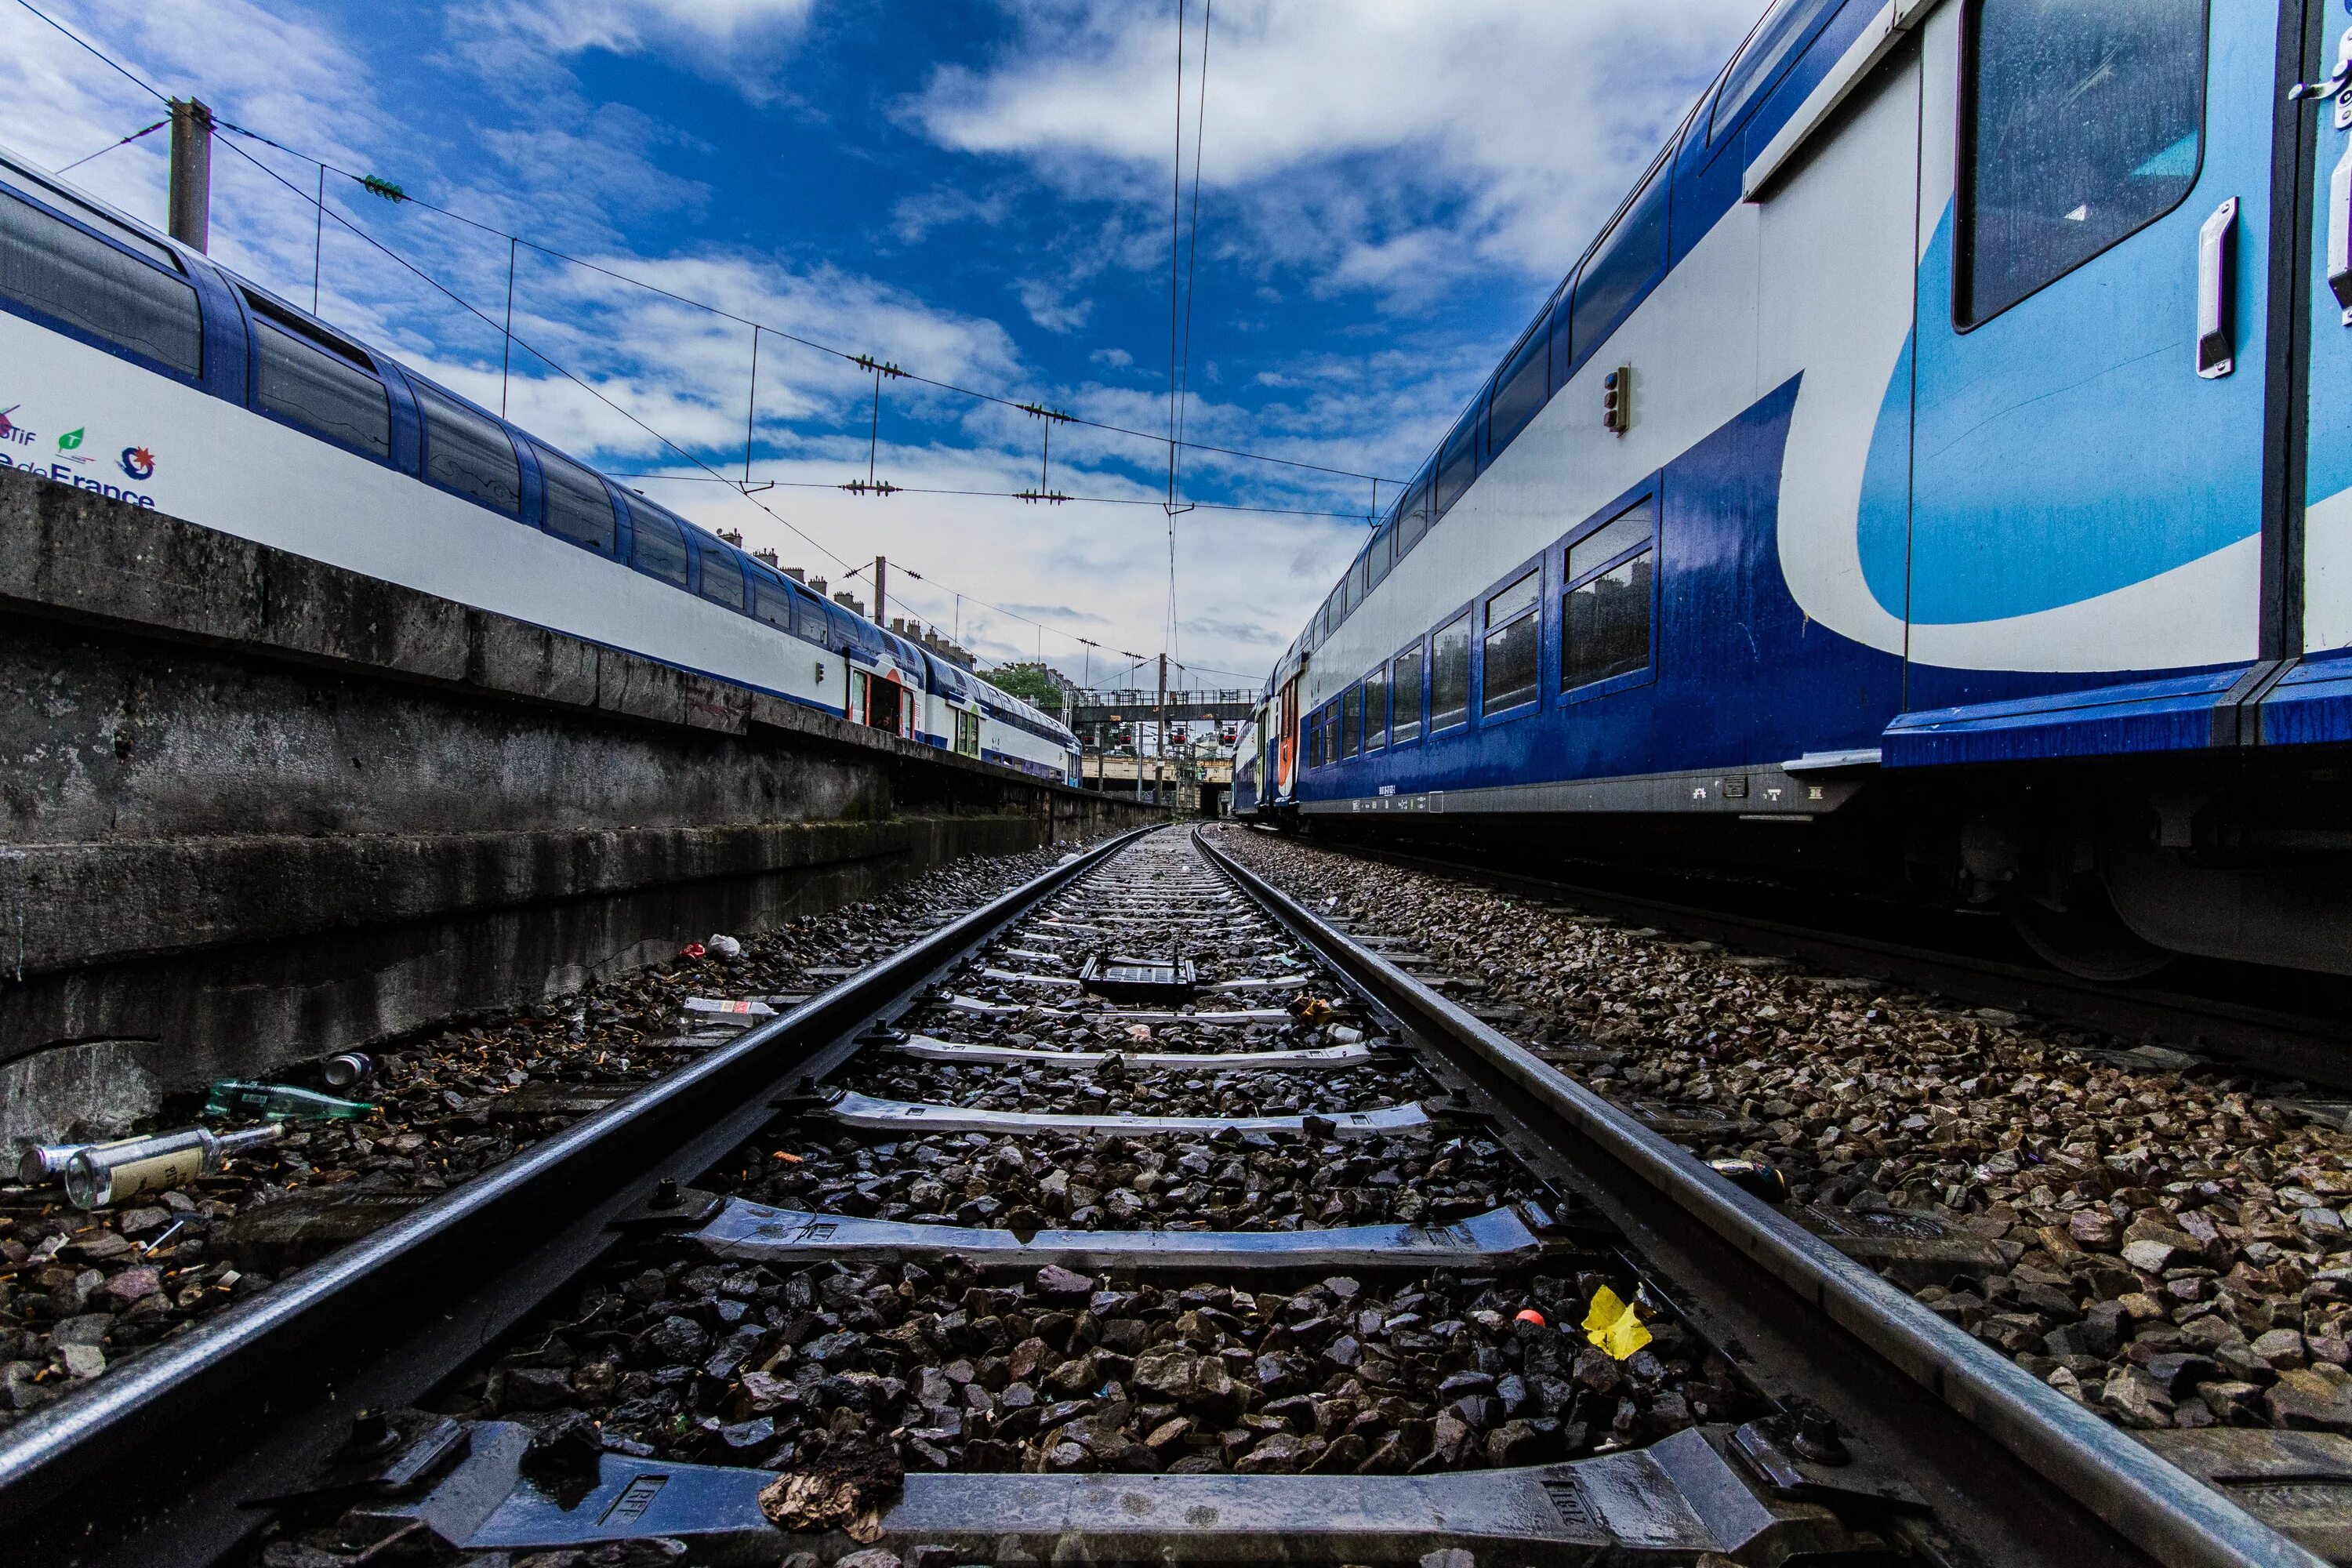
{"x":250,"y":1348}
{"x":2159,"y":1508}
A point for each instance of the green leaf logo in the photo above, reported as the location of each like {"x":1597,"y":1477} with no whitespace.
{"x":68,"y":441}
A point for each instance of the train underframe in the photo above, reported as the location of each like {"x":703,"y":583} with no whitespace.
{"x":2111,"y":870}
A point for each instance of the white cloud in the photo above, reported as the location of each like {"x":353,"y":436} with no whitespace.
{"x":630,"y":26}
{"x":1049,"y":308}
{"x":1345,"y":126}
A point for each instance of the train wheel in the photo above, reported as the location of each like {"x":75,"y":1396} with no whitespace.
{"x":2087,"y":938}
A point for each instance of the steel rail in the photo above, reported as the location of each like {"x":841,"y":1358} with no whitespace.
{"x":1992,"y":1440}
{"x":157,"y":1463}
{"x":2301,"y":1045}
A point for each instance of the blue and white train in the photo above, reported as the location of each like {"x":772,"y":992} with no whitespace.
{"x":135,"y":367}
{"x":1937,"y":475}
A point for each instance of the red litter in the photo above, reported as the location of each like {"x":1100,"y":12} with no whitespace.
{"x":1529,"y":1315}
{"x":691,"y":950}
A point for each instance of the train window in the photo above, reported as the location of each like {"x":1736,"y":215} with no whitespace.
{"x":1405,"y":671}
{"x":1351,"y":721}
{"x":808,"y":619}
{"x":1379,"y":559}
{"x":1376,"y":708}
{"x":1449,"y":674}
{"x":1412,"y":520}
{"x":1769,"y":47}
{"x":1622,"y":266}
{"x":467,"y":451}
{"x":300,"y":381}
{"x":723,"y":572}
{"x":1513,"y":631}
{"x":1605,"y":613}
{"x":579,"y":508}
{"x":52,"y":267}
{"x":772,"y":602}
{"x":658,"y":549}
{"x":1360,"y":579}
{"x":2081,"y":124}
{"x":1457,"y":461}
{"x":1522,"y":386}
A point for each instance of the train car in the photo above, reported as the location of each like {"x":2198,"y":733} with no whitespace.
{"x":1933,"y":477}
{"x":1018,"y":736}
{"x":136,"y":368}
{"x":1246,"y":765}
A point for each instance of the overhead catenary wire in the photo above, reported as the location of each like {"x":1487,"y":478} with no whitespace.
{"x":379,"y":186}
{"x":110,"y":146}
{"x":849,"y":569}
{"x":390,"y":191}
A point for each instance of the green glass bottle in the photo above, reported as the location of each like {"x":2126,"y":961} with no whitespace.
{"x":279,"y":1103}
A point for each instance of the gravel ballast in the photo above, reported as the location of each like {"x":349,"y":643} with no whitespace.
{"x":2174,"y":1235}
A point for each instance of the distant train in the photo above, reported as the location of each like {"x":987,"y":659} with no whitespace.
{"x":1936,"y":478}
{"x":135,"y":367}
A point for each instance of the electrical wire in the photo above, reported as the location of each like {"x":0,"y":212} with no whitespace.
{"x":864,"y":361}
{"x":1056,"y":498}
{"x":110,"y":146}
{"x":710,"y":474}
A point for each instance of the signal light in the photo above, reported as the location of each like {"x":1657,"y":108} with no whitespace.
{"x":1617,"y":399}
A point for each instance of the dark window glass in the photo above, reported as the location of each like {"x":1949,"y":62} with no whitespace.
{"x":1376,"y":708}
{"x":1562,"y":340}
{"x":1458,"y":462}
{"x":2086,"y":123}
{"x":1351,"y":721}
{"x":772,"y":602}
{"x":1522,"y":386}
{"x":578,"y":506}
{"x":1772,"y":46}
{"x":1605,"y":624}
{"x":1632,"y":254}
{"x":49,"y":266}
{"x":1377,"y":560}
{"x":467,"y":451}
{"x":302,"y":382}
{"x":1413,"y":519}
{"x":658,"y":547}
{"x":1512,"y":630}
{"x":1405,"y":671}
{"x":723,"y":572}
{"x":1612,"y":537}
{"x":1449,"y":673}
{"x":1359,"y":580}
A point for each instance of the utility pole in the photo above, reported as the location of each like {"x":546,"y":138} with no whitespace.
{"x":192,"y":173}
{"x":1160,"y":740}
{"x":881,"y":568}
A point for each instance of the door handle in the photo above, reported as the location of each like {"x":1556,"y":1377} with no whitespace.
{"x":2216,"y":345}
{"x":2339,"y":233}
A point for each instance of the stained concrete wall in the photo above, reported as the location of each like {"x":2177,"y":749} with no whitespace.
{"x":253,"y":807}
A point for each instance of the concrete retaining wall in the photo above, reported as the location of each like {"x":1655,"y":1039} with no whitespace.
{"x":253,"y":807}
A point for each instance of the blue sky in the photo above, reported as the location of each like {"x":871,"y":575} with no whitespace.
{"x":980,"y":193}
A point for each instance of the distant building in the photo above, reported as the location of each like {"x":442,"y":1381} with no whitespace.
{"x":914,"y":630}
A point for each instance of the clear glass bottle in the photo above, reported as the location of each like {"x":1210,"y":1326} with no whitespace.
{"x":105,"y":1173}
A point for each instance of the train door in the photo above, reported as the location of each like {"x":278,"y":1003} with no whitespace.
{"x":2325,"y":623}
{"x":1282,"y":742}
{"x":2088,"y":358}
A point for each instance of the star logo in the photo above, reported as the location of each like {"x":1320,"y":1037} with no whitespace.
{"x":138,"y":462}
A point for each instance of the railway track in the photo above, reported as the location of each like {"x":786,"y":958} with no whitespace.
{"x":1140,"y":1214}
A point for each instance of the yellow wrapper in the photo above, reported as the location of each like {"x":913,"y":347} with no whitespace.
{"x":1614,"y":1325}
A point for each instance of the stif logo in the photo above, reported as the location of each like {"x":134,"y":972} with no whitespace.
{"x":7,"y":429}
{"x":70,"y":440}
{"x":138,"y":462}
